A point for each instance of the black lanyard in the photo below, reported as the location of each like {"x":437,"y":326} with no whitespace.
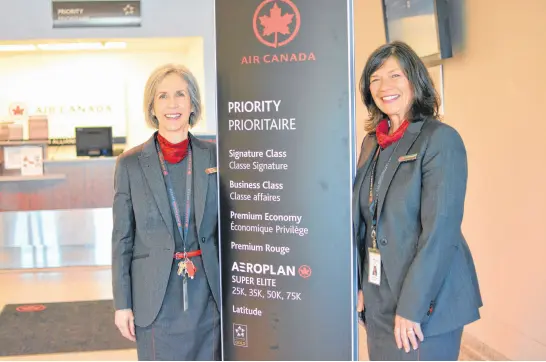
{"x":374,"y":200}
{"x":182,"y":229}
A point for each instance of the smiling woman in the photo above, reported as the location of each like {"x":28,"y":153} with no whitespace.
{"x":172,"y":101}
{"x":418,"y":281}
{"x":396,"y":83}
{"x":165,"y":207}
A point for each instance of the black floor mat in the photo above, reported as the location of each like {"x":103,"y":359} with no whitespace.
{"x":59,"y":328}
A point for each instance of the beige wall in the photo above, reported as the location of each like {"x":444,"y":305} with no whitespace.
{"x":495,"y":94}
{"x":369,"y":34}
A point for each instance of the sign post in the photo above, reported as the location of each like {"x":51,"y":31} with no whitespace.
{"x":285,"y":146}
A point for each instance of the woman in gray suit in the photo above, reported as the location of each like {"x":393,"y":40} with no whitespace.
{"x":165,"y":268}
{"x":418,"y":280}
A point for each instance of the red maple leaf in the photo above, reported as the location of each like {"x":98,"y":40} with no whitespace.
{"x":18,"y":111}
{"x":276,"y":23}
{"x":305,"y":271}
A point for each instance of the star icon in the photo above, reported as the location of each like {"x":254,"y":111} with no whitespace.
{"x":129,"y":9}
{"x":240,"y":332}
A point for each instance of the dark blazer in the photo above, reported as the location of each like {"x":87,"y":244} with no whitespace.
{"x":142,"y":238}
{"x":425,"y":256}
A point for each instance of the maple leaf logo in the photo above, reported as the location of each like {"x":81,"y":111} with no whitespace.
{"x":18,"y":111}
{"x":304,"y":271}
{"x":276,"y":23}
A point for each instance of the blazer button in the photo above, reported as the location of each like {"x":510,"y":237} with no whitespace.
{"x":383,"y":242}
{"x":202,"y":240}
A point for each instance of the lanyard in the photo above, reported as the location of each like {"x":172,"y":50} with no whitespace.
{"x":182,"y":229}
{"x":374,"y":200}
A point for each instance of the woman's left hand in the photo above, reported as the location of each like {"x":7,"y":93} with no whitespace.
{"x":405,"y":333}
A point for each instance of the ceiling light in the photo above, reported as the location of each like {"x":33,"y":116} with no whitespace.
{"x":70,"y":46}
{"x":17,"y":47}
{"x":115,"y":45}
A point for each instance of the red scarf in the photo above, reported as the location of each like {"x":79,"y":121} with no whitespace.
{"x":382,"y":133}
{"x":173,"y":152}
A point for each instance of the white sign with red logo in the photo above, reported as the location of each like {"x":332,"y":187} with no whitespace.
{"x":18,"y":111}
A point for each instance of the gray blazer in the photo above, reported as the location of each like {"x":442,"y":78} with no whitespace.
{"x":142,"y":238}
{"x":425,"y":257}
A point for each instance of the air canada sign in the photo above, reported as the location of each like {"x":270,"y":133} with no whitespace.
{"x":276,"y":23}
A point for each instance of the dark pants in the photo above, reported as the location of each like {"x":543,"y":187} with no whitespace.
{"x":443,"y":347}
{"x":160,"y":344}
{"x":192,"y":335}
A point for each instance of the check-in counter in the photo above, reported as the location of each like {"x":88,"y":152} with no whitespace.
{"x":68,"y":182}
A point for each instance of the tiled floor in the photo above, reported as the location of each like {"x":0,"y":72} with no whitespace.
{"x":60,"y":285}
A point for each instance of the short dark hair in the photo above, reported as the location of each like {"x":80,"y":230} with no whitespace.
{"x":425,"y":98}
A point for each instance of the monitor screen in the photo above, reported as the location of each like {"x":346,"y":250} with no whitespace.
{"x":413,"y":22}
{"x":94,"y":141}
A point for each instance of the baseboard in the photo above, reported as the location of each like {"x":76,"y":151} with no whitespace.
{"x":472,"y":349}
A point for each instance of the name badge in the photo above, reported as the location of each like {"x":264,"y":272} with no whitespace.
{"x":374,"y":266}
{"x":211,"y":170}
{"x":407,"y":158}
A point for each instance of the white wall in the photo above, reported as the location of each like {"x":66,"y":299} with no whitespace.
{"x":31,"y":19}
{"x":105,"y":88}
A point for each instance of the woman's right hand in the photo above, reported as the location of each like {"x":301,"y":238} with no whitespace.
{"x":360,"y":303}
{"x":125,"y":321}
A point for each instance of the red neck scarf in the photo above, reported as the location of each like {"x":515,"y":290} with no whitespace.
{"x":382,"y":133}
{"x":173,"y":152}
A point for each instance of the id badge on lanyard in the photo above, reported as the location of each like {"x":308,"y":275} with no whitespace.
{"x":374,"y":255}
{"x":374,"y":266}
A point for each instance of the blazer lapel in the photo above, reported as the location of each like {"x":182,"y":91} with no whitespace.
{"x":405,"y":144}
{"x":149,"y":161}
{"x":364,"y":162}
{"x":201,"y":157}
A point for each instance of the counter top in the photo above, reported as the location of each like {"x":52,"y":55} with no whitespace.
{"x":44,"y":177}
{"x":80,"y":159}
{"x":68,"y":154}
{"x":23,"y":143}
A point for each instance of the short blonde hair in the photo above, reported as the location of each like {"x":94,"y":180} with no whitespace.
{"x":151,"y":87}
